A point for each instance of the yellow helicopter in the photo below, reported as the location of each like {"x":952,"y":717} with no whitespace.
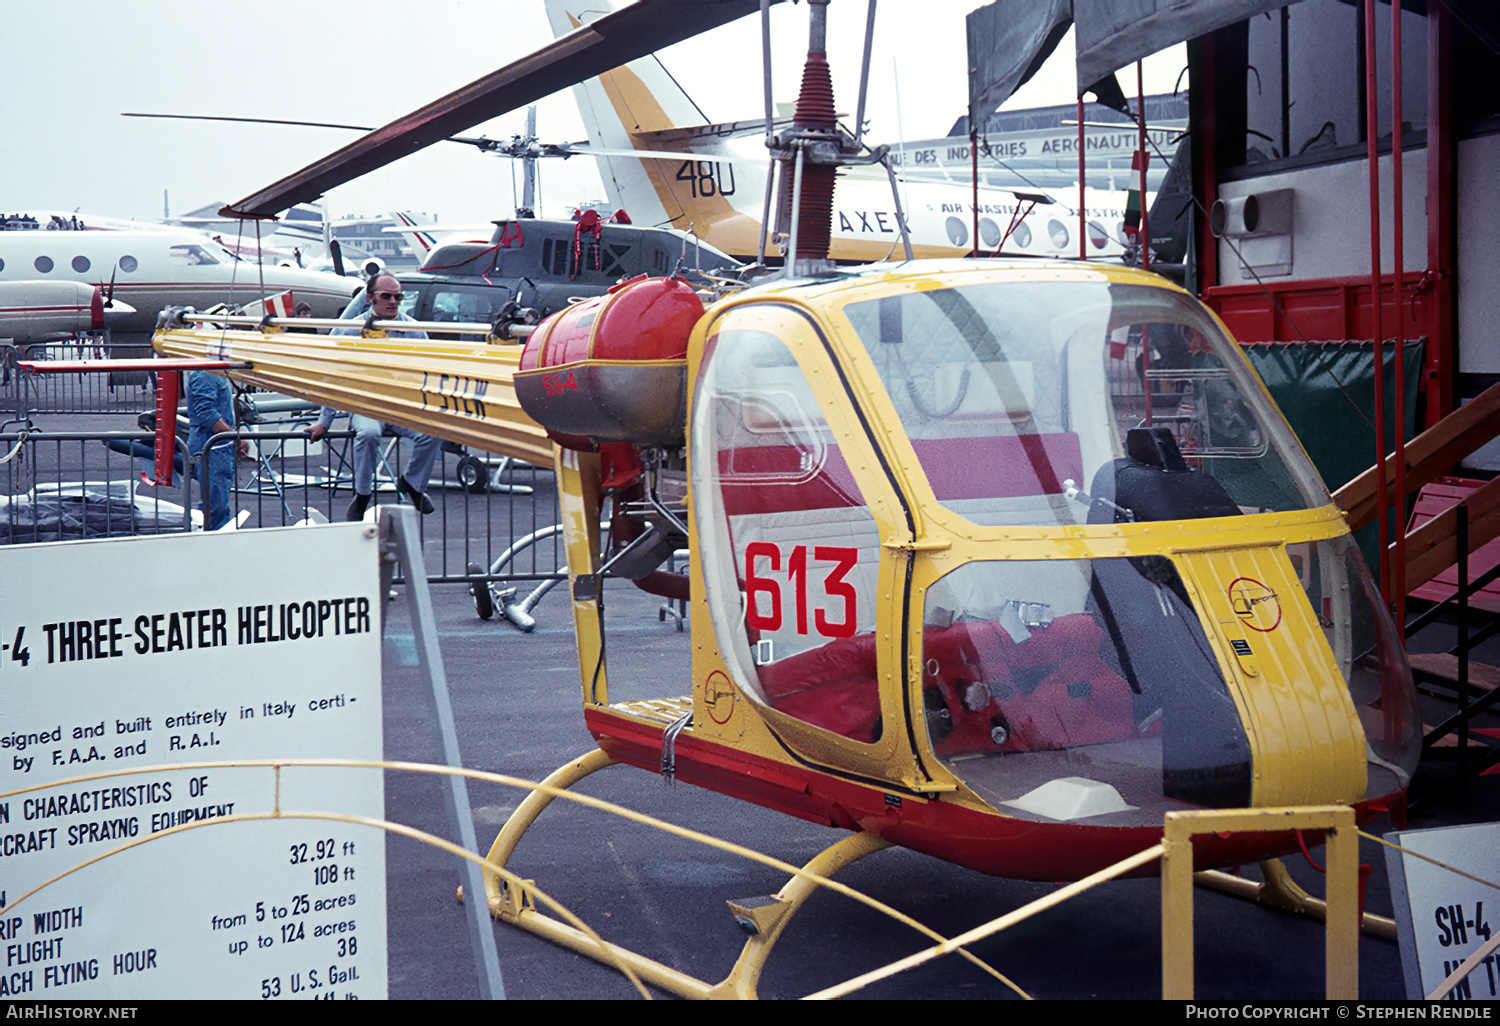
{"x":996,"y":561}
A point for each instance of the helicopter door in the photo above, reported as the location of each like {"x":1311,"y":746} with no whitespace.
{"x":791,"y":552}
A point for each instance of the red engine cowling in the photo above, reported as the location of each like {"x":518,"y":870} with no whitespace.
{"x":613,"y":368}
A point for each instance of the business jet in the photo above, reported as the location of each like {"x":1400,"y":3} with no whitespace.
{"x":152,"y":269}
{"x":298,"y":236}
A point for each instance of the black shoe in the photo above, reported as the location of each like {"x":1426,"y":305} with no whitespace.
{"x":418,"y":500}
{"x":357,"y":507}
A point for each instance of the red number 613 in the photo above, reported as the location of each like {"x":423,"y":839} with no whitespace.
{"x":834,"y":586}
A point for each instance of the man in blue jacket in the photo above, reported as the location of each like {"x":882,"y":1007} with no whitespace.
{"x":211,"y":412}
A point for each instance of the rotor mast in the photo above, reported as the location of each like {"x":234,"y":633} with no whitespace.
{"x":810,"y":152}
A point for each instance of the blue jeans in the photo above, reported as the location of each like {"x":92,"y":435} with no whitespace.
{"x":220,"y":470}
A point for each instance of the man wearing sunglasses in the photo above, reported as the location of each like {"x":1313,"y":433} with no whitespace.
{"x":383,"y":293}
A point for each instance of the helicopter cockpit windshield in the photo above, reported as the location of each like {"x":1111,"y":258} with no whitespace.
{"x":1077,"y":662}
{"x":1024,"y":366}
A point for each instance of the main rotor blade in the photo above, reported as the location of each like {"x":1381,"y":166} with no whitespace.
{"x":613,"y":40}
{"x":468,"y":140}
{"x":256,"y":121}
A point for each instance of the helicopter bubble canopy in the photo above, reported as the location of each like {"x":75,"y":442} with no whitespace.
{"x":1122,"y":590}
{"x":1022,"y":366}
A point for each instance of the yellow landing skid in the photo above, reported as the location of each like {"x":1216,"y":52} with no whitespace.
{"x":461,"y":391}
{"x":762,"y":918}
{"x":1278,"y":890}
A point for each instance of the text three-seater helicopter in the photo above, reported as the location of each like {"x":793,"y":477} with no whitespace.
{"x":995,"y":561}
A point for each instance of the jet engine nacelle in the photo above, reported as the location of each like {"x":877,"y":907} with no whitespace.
{"x":613,"y":368}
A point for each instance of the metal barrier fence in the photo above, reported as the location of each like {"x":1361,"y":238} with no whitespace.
{"x":483,"y":505}
{"x":490,"y":514}
{"x":95,"y":497}
{"x":71,"y":467}
{"x":25,"y":395}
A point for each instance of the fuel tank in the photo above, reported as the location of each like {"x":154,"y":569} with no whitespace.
{"x":613,"y":368}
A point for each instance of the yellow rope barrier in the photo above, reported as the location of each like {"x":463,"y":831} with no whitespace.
{"x":497,"y":778}
{"x":381,"y":824}
{"x":944,"y":946}
{"x":995,"y":925}
{"x":1464,"y":968}
{"x":1425,"y":858}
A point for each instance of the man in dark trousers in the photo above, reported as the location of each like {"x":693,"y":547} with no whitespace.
{"x":384,"y":293}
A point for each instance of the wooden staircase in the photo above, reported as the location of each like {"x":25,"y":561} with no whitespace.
{"x":1432,"y":548}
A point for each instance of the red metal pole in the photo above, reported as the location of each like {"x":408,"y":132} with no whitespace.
{"x":1140,"y":112}
{"x":974,"y":174}
{"x":1372,"y":132}
{"x":1083,"y":253}
{"x":1399,"y":570}
{"x":1441,"y":220}
{"x":168,"y":390}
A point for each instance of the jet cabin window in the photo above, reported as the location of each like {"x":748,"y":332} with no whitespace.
{"x":791,"y":553}
{"x":1046,"y":403}
{"x":191,"y":256}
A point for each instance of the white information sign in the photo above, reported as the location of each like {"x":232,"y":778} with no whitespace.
{"x":1441,"y":917}
{"x":125,"y":654}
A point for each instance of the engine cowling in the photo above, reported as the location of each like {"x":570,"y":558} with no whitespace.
{"x":613,"y":368}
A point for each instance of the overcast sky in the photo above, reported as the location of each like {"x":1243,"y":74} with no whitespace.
{"x":72,"y":66}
